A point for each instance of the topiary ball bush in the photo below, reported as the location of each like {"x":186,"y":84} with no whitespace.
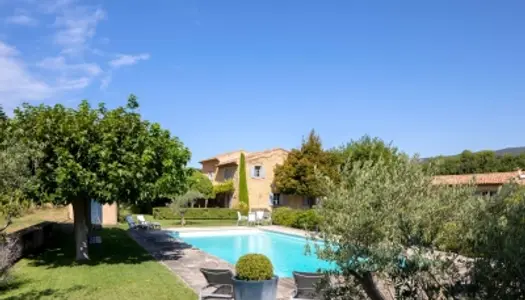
{"x":254,"y":267}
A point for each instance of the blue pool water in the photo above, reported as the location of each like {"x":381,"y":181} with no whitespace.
{"x":286,"y":252}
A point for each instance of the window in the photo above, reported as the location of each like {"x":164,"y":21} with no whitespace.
{"x":276,"y":201}
{"x":228,"y":173}
{"x":257,"y":171}
{"x":210,"y":175}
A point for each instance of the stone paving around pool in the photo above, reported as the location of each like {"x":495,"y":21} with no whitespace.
{"x":185,"y":261}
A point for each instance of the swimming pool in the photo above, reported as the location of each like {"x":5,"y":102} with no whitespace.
{"x":286,"y":252}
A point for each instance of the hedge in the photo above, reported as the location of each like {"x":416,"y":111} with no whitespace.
{"x":297,"y":218}
{"x":165,"y":213}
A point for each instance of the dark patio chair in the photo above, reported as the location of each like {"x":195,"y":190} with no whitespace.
{"x":306,"y":285}
{"x":220,"y":284}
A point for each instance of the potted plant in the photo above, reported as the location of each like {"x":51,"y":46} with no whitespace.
{"x":254,"y":279}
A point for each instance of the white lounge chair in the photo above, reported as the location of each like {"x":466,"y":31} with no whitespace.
{"x":131,"y":222}
{"x":252,"y":218}
{"x":259,"y":216}
{"x":147,"y":224}
{"x":241,"y":218}
{"x":267,"y":218}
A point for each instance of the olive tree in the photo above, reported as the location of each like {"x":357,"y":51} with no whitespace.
{"x":180,"y":203}
{"x":15,"y":178}
{"x":498,"y":245}
{"x":101,"y":154}
{"x":380,"y":224}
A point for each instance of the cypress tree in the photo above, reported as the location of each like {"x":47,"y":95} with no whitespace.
{"x":243,"y":184}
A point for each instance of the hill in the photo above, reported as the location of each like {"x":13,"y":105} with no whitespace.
{"x":512,"y":150}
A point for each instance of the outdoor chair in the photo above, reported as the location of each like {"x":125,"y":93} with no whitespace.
{"x":259,"y":216}
{"x":267,"y":218}
{"x":131,"y":222}
{"x":241,"y":218}
{"x":147,"y":224}
{"x":252,"y":219}
{"x":219,"y":284}
{"x":306,"y":285}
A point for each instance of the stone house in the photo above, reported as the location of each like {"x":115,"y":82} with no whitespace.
{"x":102,"y":214}
{"x":486,"y":183}
{"x":259,"y":176}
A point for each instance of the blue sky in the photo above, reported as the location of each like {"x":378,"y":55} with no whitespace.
{"x":434,"y":77}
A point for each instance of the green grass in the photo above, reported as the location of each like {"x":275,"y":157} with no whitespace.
{"x":37,"y":216}
{"x":119,"y":269}
{"x":189,"y":223}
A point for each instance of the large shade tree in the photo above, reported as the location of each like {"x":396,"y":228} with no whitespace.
{"x":101,"y":154}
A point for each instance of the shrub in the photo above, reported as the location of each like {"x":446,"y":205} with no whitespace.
{"x":284,"y":216}
{"x":242,"y":208}
{"x":254,"y":267}
{"x":165,"y":213}
{"x":297,"y":218}
{"x":306,"y":219}
{"x":224,"y":187}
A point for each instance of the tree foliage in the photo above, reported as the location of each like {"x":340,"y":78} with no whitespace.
{"x":498,"y":243}
{"x":17,"y":162}
{"x":365,"y":149}
{"x":180,"y":204}
{"x":297,"y":175}
{"x":3,"y":116}
{"x":201,"y":183}
{"x":224,"y":187}
{"x":107,"y":155}
{"x":243,"y":184}
{"x":476,"y":162}
{"x":382,"y":220}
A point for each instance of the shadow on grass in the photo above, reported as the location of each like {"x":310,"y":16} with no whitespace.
{"x":11,"y":283}
{"x":39,"y":294}
{"x":117,"y":247}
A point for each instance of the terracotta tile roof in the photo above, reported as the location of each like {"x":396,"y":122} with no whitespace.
{"x":480,"y":179}
{"x":247,"y":154}
{"x":222,"y":155}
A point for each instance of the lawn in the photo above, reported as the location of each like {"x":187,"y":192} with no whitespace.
{"x":189,"y":223}
{"x":119,"y":269}
{"x":37,"y":216}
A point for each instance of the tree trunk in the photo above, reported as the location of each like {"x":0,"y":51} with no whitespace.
{"x":206,"y":203}
{"x":89,"y":225}
{"x":79,"y":216}
{"x":370,"y":287}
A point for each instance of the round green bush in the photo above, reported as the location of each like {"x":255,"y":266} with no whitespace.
{"x":254,"y":267}
{"x":284,"y":216}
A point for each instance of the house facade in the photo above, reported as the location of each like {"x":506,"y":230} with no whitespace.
{"x":486,"y":183}
{"x":101,"y":214}
{"x":259,"y":176}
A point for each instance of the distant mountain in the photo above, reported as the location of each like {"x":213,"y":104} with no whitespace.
{"x":500,"y":152}
{"x":513,"y":151}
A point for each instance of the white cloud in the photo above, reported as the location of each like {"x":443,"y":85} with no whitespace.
{"x":17,"y":84}
{"x":106,"y":80}
{"x":120,"y":61}
{"x":21,"y":19}
{"x":128,"y":60}
{"x":59,"y":64}
{"x":75,"y":64}
{"x":77,"y":26}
